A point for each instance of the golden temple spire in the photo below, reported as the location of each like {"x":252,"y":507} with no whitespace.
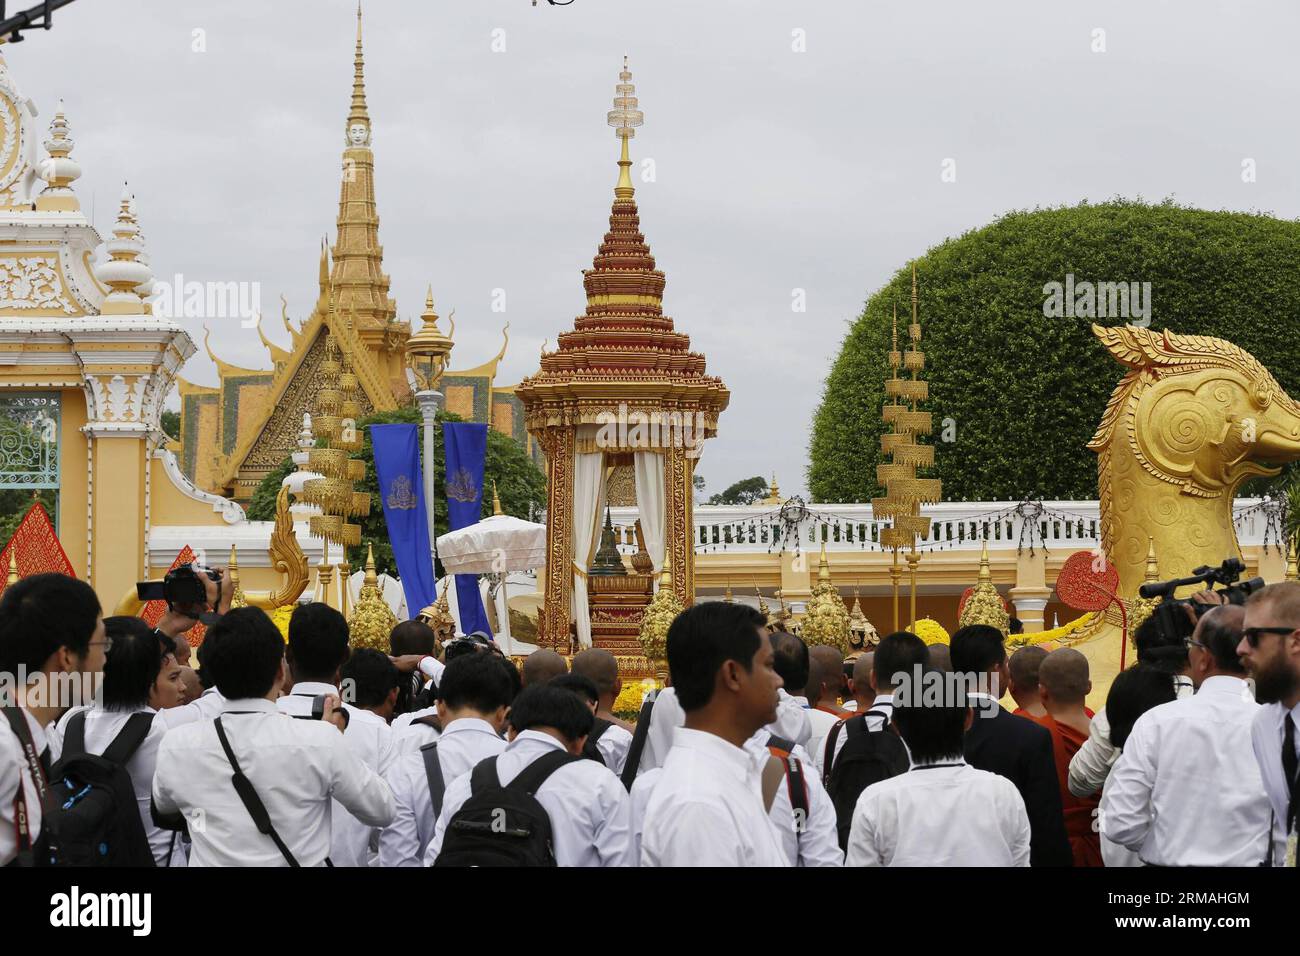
{"x":1153,"y":565}
{"x":59,"y":170}
{"x":13,"y":567}
{"x":496,"y":500}
{"x":123,"y":271}
{"x":358,"y":116}
{"x":625,"y":117}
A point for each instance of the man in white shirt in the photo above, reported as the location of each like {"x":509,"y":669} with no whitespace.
{"x":52,"y":652}
{"x":1270,"y":649}
{"x":316,"y":652}
{"x":473,"y":700}
{"x":295,"y":767}
{"x":896,"y":654}
{"x":707,"y":805}
{"x":589,"y":812}
{"x":370,"y":683}
{"x":790,"y":660}
{"x":1186,"y":790}
{"x":600,"y":667}
{"x":942,"y":812}
{"x":825,"y":679}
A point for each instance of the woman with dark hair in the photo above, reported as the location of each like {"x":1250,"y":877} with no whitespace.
{"x":140,"y":676}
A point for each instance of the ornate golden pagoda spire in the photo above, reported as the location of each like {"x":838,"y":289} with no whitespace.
{"x":827,"y":619}
{"x":984,"y":606}
{"x":358,"y":116}
{"x":59,"y":171}
{"x":372,"y":620}
{"x":237,"y":598}
{"x":496,"y":500}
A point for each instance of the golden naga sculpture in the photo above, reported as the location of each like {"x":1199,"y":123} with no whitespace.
{"x":1192,"y":418}
{"x":827,"y":619}
{"x":985,"y":606}
{"x":372,"y":619}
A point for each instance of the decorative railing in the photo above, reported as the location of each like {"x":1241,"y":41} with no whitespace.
{"x":1065,"y":526}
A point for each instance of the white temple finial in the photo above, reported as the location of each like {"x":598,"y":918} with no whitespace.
{"x":145,"y":289}
{"x":58,"y":169}
{"x":123,"y":272}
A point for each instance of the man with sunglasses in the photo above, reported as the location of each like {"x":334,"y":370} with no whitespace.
{"x":1270,"y":649}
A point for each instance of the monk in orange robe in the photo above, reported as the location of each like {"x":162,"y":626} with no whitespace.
{"x":1063,"y":683}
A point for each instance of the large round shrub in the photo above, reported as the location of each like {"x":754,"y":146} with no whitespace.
{"x":1024,"y":391}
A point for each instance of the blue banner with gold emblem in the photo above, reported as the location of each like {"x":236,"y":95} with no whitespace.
{"x":466,"y":446}
{"x":401,"y":490}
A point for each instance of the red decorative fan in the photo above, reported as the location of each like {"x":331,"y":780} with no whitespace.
{"x":965,"y":596}
{"x":36,"y":548}
{"x":1087,"y":582}
{"x":153,"y":611}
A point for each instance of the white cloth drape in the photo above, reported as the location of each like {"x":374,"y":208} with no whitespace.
{"x":648,"y":468}
{"x":588,"y":502}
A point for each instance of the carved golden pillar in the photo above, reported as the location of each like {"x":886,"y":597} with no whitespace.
{"x":678,"y":522}
{"x":557,"y":603}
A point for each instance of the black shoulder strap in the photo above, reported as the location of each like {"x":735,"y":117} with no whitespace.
{"x":638,"y":744}
{"x":798,"y":788}
{"x":433,"y":772}
{"x":74,"y":737}
{"x":128,"y":739}
{"x":780,"y":743}
{"x":252,"y":802}
{"x":828,"y":755}
{"x":484,"y":776}
{"x":598,"y":729}
{"x":429,"y":721}
{"x":884,"y":716}
{"x":531,"y":778}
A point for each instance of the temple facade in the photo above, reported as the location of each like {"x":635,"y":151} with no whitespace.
{"x":237,"y":431}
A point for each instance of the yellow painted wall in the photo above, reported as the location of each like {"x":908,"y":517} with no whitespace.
{"x":118,"y":529}
{"x":72,"y":478}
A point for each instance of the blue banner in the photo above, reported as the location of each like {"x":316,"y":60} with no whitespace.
{"x":401,"y":490}
{"x":465,"y":444}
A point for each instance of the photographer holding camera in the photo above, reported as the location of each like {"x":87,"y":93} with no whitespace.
{"x":194,"y":594}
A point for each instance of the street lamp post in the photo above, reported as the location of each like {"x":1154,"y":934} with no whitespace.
{"x":426,"y":353}
{"x":428,"y":400}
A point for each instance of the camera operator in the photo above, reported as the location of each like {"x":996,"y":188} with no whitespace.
{"x":183,"y":612}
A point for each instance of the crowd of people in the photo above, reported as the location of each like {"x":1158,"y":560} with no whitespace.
{"x":761,"y":751}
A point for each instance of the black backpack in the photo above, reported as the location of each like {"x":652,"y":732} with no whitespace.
{"x":868,"y":756}
{"x":503,"y":826}
{"x":590,"y":750}
{"x":91,"y":814}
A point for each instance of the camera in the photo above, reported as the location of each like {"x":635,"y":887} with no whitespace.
{"x":183,"y":588}
{"x":1226,"y":574}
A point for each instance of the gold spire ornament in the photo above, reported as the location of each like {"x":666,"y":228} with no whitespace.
{"x":904,"y":491}
{"x":60,"y":170}
{"x":13,"y":568}
{"x":984,"y":606}
{"x":763,"y":609}
{"x":659,"y":615}
{"x":439,"y":618}
{"x":124,"y":271}
{"x":428,"y":349}
{"x":827,"y":619}
{"x":372,"y":620}
{"x":496,"y":501}
{"x":237,"y":598}
{"x":1140,"y":608}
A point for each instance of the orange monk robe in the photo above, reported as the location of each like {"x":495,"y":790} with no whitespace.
{"x":1080,"y":812}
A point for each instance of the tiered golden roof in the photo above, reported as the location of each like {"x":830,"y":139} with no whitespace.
{"x":623,"y":349}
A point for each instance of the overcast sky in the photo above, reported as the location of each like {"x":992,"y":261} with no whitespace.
{"x":796,"y":145}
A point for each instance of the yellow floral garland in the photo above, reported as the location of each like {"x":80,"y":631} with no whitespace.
{"x":1054,"y":634}
{"x":628,"y":704}
{"x":930,"y":631}
{"x":280,"y":618}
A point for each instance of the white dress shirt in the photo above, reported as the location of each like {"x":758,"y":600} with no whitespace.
{"x":209,"y":703}
{"x":821,"y":723}
{"x":665,"y":718}
{"x":791,"y":719}
{"x":101,"y":728}
{"x":1092,"y":762}
{"x":1186,"y":791}
{"x":463,"y":744}
{"x":811,"y":842}
{"x":370,"y":738}
{"x":409,"y":736}
{"x":1267,"y":733}
{"x":295,"y":766}
{"x":943,"y":814}
{"x":706,"y":808}
{"x":613,"y":745}
{"x":15,"y":772}
{"x":591,"y":818}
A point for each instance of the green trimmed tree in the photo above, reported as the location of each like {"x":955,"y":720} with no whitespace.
{"x":1016,"y":394}
{"x":519,"y":483}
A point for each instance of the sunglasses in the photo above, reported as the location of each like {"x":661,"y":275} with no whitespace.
{"x":1252,"y":634}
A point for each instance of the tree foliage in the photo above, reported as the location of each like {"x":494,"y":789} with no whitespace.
{"x":744,"y":492}
{"x":1020,"y":393}
{"x":519,"y":483}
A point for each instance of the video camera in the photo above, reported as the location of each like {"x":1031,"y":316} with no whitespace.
{"x":1226,"y":574}
{"x":183,"y":588}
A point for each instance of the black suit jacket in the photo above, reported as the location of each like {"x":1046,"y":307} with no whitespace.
{"x":1021,"y":751}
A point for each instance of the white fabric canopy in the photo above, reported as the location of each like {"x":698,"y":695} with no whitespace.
{"x":588,"y":502}
{"x":494,"y":545}
{"x":648,"y":469}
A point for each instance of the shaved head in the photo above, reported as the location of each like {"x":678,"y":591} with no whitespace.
{"x":862,"y":669}
{"x":1024,"y":665}
{"x":940,"y":657}
{"x":541,"y":666}
{"x":1064,"y":675}
{"x":825,"y":667}
{"x":599,"y":666}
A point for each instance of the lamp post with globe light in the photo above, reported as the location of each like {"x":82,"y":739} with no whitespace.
{"x":426,"y":355}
